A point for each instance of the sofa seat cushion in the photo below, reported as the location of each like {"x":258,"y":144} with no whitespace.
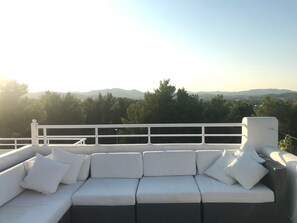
{"x":213,"y":191}
{"x":168,"y":189}
{"x":34,"y":207}
{"x":106,"y":192}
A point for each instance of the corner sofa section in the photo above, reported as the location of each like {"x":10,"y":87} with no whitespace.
{"x":222,"y":203}
{"x":19,"y":205}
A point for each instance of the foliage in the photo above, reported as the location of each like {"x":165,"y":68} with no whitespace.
{"x":16,"y":110}
{"x":105,"y":109}
{"x":238,"y":110}
{"x":216,"y":109}
{"x":278,"y":108}
{"x":287,"y":144}
{"x":65,"y":109}
{"x":165,"y":105}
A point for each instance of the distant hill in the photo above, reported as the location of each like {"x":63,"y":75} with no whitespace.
{"x":116,"y":92}
{"x":249,"y":94}
{"x":135,"y":94}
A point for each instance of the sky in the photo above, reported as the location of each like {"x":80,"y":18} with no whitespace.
{"x":200,"y":45}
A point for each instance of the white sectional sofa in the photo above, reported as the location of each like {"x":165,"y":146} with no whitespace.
{"x":152,"y":186}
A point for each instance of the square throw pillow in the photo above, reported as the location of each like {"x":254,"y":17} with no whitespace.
{"x":216,"y":170}
{"x":73,"y":160}
{"x":246,"y":171}
{"x":29,"y":163}
{"x":248,"y":150}
{"x":45,"y":175}
{"x":251,"y":153}
{"x":244,"y":147}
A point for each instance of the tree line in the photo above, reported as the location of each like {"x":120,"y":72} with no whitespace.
{"x":165,"y":105}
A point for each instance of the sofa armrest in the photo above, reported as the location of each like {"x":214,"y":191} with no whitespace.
{"x":276,"y":179}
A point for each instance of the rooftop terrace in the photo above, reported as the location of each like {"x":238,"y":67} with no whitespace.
{"x":261,"y":132}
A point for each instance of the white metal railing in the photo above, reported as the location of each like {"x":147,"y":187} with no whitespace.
{"x":117,"y":131}
{"x":14,"y":143}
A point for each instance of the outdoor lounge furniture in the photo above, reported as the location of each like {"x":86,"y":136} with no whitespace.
{"x":152,"y":186}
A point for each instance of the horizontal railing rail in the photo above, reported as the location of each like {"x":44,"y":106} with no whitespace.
{"x":14,"y":143}
{"x":202,"y":133}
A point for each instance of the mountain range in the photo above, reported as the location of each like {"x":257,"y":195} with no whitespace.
{"x":135,"y":94}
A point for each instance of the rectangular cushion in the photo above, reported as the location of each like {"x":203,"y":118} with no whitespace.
{"x":10,"y":182}
{"x":34,"y":207}
{"x":169,"y":189}
{"x":213,"y":191}
{"x":116,"y":165}
{"x":169,"y":163}
{"x":106,"y":192}
{"x":205,"y":158}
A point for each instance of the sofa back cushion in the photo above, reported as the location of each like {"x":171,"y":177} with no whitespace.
{"x":116,"y":165}
{"x":169,"y":163}
{"x":10,"y":183}
{"x":205,"y":158}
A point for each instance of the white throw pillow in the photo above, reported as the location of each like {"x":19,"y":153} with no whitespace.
{"x":73,"y":160}
{"x":28,"y":164}
{"x":244,"y":147}
{"x":246,"y":171}
{"x":251,"y":153}
{"x":85,"y":168}
{"x":216,"y":170}
{"x":44,"y":175}
{"x":248,"y":150}
{"x":83,"y":173}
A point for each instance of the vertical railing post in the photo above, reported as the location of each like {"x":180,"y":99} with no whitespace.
{"x":96,"y":136}
{"x":149,"y":135}
{"x":34,"y":133}
{"x":45,"y":140}
{"x":15,"y":143}
{"x":203,"y":134}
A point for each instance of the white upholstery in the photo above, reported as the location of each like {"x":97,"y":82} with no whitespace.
{"x":34,"y":207}
{"x":246,"y":171}
{"x":45,"y":175}
{"x":85,"y":168}
{"x":216,"y":170}
{"x":170,"y":189}
{"x":116,"y":165}
{"x":169,"y":163}
{"x":213,"y":191}
{"x":205,"y":158}
{"x":9,"y":183}
{"x":106,"y":192}
{"x":251,"y":152}
{"x":73,"y":160}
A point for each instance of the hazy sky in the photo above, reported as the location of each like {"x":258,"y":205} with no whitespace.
{"x":201,"y":45}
